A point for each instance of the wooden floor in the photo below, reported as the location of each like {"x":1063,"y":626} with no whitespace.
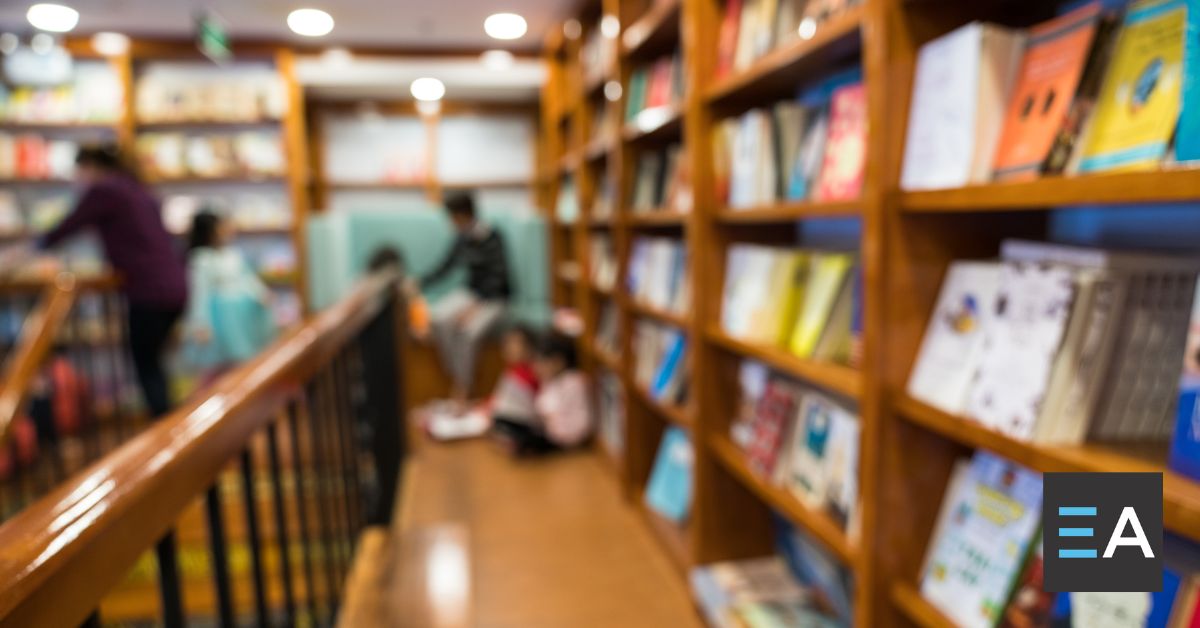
{"x":549,"y":543}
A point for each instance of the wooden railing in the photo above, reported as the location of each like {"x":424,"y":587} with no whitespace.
{"x":326,"y":400}
{"x":33,"y":345}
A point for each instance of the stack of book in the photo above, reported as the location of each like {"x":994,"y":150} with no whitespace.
{"x":812,"y":148}
{"x":655,"y":86}
{"x":661,"y":181}
{"x":800,"y":440}
{"x":249,"y":154}
{"x":807,"y":302}
{"x":983,"y":567}
{"x":658,"y":274}
{"x":751,"y":28}
{"x":603,"y":261}
{"x":669,"y":490}
{"x":210,"y":97}
{"x":660,"y":362}
{"x":610,"y":405}
{"x":93,"y":96}
{"x":28,"y":156}
{"x":1059,"y":344}
{"x":1084,"y":92}
{"x":247,"y":210}
{"x":753,"y":592}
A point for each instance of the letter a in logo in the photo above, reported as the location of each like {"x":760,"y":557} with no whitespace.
{"x":1128,"y":517}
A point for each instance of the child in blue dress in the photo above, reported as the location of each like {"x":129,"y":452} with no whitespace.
{"x":228,"y":315}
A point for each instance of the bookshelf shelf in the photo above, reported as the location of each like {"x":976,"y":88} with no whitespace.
{"x":1181,"y":496}
{"x":608,"y":360}
{"x":657,"y":218}
{"x":569,"y":274}
{"x":519,"y":182}
{"x":907,"y":599}
{"x":783,"y":502}
{"x":787,"y":212}
{"x":378,"y":185}
{"x":603,"y":291}
{"x":216,"y":125}
{"x":840,"y":379}
{"x":778,"y":72}
{"x":673,"y":414}
{"x":674,"y":539}
{"x":654,"y":31}
{"x":1102,"y":189}
{"x":656,"y":124}
{"x":600,"y":222}
{"x":664,"y":316}
{"x":599,"y":149}
{"x":36,"y":182}
{"x":49,"y":126}
{"x":265,"y":180}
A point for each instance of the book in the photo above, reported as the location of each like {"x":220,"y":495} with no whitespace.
{"x":752,"y":385}
{"x":841,"y":176}
{"x":988,"y":523}
{"x":1019,"y":346}
{"x":1185,"y":443}
{"x":1055,"y":56}
{"x":774,"y":311}
{"x":1139,"y":102}
{"x":960,"y":88}
{"x":727,"y":37}
{"x":723,"y":589}
{"x":1187,"y":137}
{"x":822,"y":456}
{"x":1031,"y":605}
{"x":830,"y":582}
{"x":836,"y":340}
{"x":806,"y":167}
{"x":667,"y":378}
{"x":669,"y":491}
{"x":771,"y":415}
{"x":827,"y":272}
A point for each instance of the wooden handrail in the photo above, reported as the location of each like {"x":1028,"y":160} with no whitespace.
{"x":62,"y":554}
{"x":106,"y":282}
{"x":38,"y":332}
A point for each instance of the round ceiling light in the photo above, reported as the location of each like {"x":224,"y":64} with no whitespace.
{"x":610,"y":26}
{"x":497,"y":59}
{"x":310,"y":22}
{"x":55,"y":18}
{"x":110,"y":44}
{"x":505,"y":26}
{"x":427,"y":89}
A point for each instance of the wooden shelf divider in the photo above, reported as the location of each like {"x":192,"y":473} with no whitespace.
{"x":789,"y":211}
{"x":1161,"y":186}
{"x":837,"y":378}
{"x":921,"y":613}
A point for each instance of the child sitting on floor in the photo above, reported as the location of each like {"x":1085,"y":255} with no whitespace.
{"x":564,"y":417}
{"x":512,"y":401}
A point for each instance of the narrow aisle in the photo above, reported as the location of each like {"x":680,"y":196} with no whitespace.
{"x":551,"y":541}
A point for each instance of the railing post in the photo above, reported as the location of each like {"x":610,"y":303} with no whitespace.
{"x":281,"y":531}
{"x":301,"y":509}
{"x":380,"y":345}
{"x":219,"y":551}
{"x":253,"y":538}
{"x":168,"y":582}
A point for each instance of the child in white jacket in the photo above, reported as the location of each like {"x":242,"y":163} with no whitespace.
{"x":564,"y":412}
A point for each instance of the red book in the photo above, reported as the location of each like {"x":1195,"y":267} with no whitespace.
{"x":841,"y":176}
{"x":776,"y":407}
{"x":658,"y":93}
{"x":727,"y":37}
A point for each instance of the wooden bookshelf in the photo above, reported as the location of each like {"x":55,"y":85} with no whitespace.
{"x":646,"y":310}
{"x":658,"y":218}
{"x":1166,"y":186}
{"x":57,"y":127}
{"x":1181,"y":497}
{"x":816,"y":523}
{"x":676,"y":415}
{"x":836,"y":378}
{"x":789,"y":212}
{"x":655,"y":31}
{"x":230,"y":180}
{"x":655,"y":124}
{"x":909,"y":602}
{"x":675,"y":540}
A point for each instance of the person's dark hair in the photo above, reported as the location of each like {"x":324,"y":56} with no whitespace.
{"x":528,"y":336}
{"x":105,"y":157}
{"x":386,"y":257}
{"x":204,"y":230}
{"x":555,"y":344}
{"x":461,"y":204}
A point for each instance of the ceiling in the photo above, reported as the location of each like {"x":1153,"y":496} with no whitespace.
{"x":399,"y":23}
{"x":389,"y":78}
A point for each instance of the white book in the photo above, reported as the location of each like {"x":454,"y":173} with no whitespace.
{"x":1019,"y":346}
{"x":960,"y":90}
{"x":744,"y":169}
{"x":841,"y":457}
{"x":807,"y":450}
{"x":953,"y":344}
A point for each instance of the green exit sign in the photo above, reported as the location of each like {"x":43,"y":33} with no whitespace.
{"x":211,"y":37}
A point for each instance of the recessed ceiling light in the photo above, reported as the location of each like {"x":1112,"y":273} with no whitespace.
{"x":110,"y":44}
{"x":505,"y":26}
{"x":310,"y":22}
{"x":427,"y":88}
{"x":497,"y":59}
{"x":610,"y":26}
{"x":808,"y":28}
{"x":9,"y":42}
{"x":42,"y":43}
{"x":55,"y":18}
{"x":337,"y":56}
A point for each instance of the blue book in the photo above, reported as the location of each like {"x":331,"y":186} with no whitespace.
{"x":1187,"y":136}
{"x":667,"y":375}
{"x":817,"y":569}
{"x":669,"y":492}
{"x":1185,"y":444}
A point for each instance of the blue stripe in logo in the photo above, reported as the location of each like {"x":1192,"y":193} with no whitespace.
{"x":1077,"y":511}
{"x":1076,"y":553}
{"x":1075,"y":532}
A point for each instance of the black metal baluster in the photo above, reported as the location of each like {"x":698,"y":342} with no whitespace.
{"x":301,"y":510}
{"x":281,"y":531}
{"x":168,"y":582}
{"x":380,"y":347}
{"x":315,"y":410}
{"x":349,"y":431}
{"x":92,"y":621}
{"x":253,"y":539}
{"x":337,"y":468}
{"x":220,"y":554}
{"x":117,"y":419}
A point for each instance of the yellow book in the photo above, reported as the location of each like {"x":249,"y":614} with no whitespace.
{"x":1138,"y":106}
{"x":772,"y":320}
{"x":827,"y":272}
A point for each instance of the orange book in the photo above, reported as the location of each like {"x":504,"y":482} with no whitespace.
{"x":1053,"y":64}
{"x":728,"y":36}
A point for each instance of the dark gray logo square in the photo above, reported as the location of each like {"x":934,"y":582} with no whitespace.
{"x":1098,"y":528}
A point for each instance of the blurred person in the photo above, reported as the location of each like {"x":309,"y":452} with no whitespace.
{"x":563,"y":412}
{"x":228,"y":318}
{"x":462,"y":319}
{"x":115,"y":204}
{"x":418,"y":308}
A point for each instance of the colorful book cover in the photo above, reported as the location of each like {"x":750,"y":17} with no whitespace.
{"x":1031,"y":605}
{"x":1187,"y":138}
{"x":1140,"y":100}
{"x":841,"y":175}
{"x":827,"y":273}
{"x":669,"y":491}
{"x":974,"y":561}
{"x":1126,"y":609}
{"x":1055,"y":56}
{"x":727,"y":37}
{"x":771,"y":416}
{"x":831,"y":582}
{"x":668,"y":374}
{"x":1185,"y":443}
{"x":807,"y":460}
{"x":807,"y":164}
